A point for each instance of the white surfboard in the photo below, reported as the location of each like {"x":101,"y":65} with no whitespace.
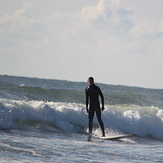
{"x":116,"y":137}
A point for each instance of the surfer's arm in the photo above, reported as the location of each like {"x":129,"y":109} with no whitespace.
{"x":87,"y":100}
{"x":102,"y":98}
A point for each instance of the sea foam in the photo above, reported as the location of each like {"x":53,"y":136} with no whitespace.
{"x":72,"y":117}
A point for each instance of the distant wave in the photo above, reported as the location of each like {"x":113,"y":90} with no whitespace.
{"x":12,"y":91}
{"x":21,"y":88}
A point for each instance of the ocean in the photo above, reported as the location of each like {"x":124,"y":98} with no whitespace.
{"x":44,"y":120}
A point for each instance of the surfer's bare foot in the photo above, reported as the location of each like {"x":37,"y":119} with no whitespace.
{"x":90,"y":134}
{"x":103,"y":136}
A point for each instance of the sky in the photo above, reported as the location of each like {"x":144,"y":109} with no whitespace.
{"x":117,"y":42}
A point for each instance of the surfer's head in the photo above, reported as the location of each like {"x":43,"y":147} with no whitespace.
{"x":90,"y":81}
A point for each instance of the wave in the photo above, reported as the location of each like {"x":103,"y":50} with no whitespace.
{"x":70,"y":92}
{"x":27,"y":93}
{"x":71,"y":117}
{"x":55,"y":105}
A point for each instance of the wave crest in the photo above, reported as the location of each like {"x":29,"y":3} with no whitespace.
{"x":72,"y":117}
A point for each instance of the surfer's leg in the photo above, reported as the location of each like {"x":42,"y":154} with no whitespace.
{"x":90,"y":116}
{"x":98,"y":114}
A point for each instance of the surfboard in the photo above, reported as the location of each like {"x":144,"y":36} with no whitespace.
{"x":116,"y":137}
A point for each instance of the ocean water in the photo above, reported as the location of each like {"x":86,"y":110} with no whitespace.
{"x":44,"y":120}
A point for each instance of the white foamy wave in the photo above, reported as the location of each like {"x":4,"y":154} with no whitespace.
{"x":132,"y":114}
{"x":72,"y":117}
{"x":160,"y":114}
{"x":63,"y":116}
{"x":143,"y":121}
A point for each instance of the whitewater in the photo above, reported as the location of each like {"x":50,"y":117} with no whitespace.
{"x":44,"y":120}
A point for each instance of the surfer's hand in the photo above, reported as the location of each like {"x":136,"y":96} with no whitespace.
{"x":102,"y":108}
{"x":87,"y":110}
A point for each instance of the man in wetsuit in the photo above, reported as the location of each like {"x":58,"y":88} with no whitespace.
{"x":92,"y":97}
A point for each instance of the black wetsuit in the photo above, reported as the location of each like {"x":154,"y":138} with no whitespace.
{"x":92,"y":97}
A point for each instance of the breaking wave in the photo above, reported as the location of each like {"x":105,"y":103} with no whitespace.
{"x":71,"y":117}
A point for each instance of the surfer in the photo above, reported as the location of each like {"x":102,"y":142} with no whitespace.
{"x":92,"y":94}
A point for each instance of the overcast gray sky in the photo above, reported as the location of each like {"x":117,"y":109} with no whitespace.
{"x":115,"y":41}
